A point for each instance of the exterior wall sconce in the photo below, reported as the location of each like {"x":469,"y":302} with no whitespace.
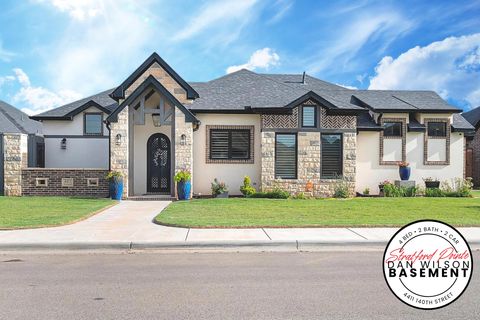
{"x":183,"y":140}
{"x":156,"y":120}
{"x":118,"y":139}
{"x":63,"y":144}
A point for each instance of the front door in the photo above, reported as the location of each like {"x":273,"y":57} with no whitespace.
{"x":158,"y":164}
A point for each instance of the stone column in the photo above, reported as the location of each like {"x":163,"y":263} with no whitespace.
{"x":119,"y":152}
{"x":183,"y":150}
{"x":268,"y":160}
{"x":15,"y":159}
{"x":349,"y":159}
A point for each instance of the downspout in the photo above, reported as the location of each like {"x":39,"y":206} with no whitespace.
{"x":107,"y":124}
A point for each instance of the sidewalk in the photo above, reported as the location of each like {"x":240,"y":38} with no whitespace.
{"x":129,"y":225}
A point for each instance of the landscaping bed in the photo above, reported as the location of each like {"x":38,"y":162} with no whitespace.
{"x":358,"y":212}
{"x":35,"y":212}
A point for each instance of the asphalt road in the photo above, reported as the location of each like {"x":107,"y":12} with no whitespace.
{"x":159,"y":285}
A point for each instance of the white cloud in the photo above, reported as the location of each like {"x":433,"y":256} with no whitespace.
{"x":38,"y":99}
{"x":225,"y":16}
{"x":451,"y":67}
{"x":78,"y":9}
{"x":282,"y":7}
{"x":262,"y":58}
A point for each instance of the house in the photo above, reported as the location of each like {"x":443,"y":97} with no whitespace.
{"x":20,"y":139}
{"x":290,"y":131}
{"x":473,"y":146}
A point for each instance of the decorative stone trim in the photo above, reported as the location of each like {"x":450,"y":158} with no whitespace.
{"x":447,"y":142}
{"x":230,"y":161}
{"x":404,"y":140}
{"x":336,"y":122}
{"x":41,"y":182}
{"x":67,"y":182}
{"x":92,"y":182}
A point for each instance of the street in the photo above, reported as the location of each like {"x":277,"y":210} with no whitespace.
{"x":187,"y":285}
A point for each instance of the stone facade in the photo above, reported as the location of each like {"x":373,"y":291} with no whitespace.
{"x":55,"y":182}
{"x":119,"y":151}
{"x":308,"y":165}
{"x":309,"y":180}
{"x":15,"y":159}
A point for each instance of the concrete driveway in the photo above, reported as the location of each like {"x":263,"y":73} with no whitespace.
{"x":129,"y":224}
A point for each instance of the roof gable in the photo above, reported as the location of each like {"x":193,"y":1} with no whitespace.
{"x":12,"y":120}
{"x":119,"y":92}
{"x":152,"y":82}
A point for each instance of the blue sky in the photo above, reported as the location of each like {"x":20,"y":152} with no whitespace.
{"x":56,"y":51}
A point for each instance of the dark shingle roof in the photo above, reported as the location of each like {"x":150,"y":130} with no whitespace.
{"x":472,"y":116}
{"x":366,"y":123}
{"x":102,"y":98}
{"x":13,"y":120}
{"x":460,"y":124}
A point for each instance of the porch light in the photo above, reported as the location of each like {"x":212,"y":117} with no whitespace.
{"x":156,"y":120}
{"x":118,"y":139}
{"x":183,"y":139}
{"x":63,"y":144}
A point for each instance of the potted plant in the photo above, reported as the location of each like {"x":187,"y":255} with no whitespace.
{"x":219,"y":189}
{"x":431,"y":183}
{"x":404,"y":170}
{"x":115,"y":179}
{"x":184,"y":186}
{"x":381,"y":185}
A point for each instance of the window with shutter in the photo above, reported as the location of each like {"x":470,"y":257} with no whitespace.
{"x":437,"y":129}
{"x":285,"y":156}
{"x":229,"y":144}
{"x":392,"y":129}
{"x":332,"y":157}
{"x":309,"y":116}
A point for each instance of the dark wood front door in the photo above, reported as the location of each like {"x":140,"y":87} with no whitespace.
{"x":158,"y":164}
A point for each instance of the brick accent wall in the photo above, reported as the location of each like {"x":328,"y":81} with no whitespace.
{"x":474,"y":144}
{"x":54,"y":186}
{"x":15,"y":158}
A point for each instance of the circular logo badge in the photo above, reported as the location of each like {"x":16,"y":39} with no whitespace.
{"x":427,"y":264}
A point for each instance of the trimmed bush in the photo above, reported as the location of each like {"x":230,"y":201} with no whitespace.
{"x":274,"y":194}
{"x":391,"y":190}
{"x":247,"y":189}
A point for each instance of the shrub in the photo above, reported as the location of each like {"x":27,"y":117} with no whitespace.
{"x":218,"y":187}
{"x":434,"y":192}
{"x":247,"y":189}
{"x":114,"y":176}
{"x":340,"y":189}
{"x":366,"y":191}
{"x":458,"y":188}
{"x":274,"y":194}
{"x":182,"y":176}
{"x":391,"y":190}
{"x":300,"y":196}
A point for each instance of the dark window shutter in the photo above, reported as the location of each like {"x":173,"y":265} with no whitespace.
{"x":219,"y":144}
{"x":286,"y":156}
{"x":240,"y":148}
{"x":229,"y":144}
{"x":332,"y":157}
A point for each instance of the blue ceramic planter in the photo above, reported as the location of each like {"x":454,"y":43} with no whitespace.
{"x":183,"y":190}
{"x":116,"y":189}
{"x":404,"y":173}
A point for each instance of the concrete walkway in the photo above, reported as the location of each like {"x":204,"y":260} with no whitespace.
{"x":129,"y":225}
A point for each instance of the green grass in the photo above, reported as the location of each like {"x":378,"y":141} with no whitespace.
{"x":240,"y":212}
{"x":476,"y":193}
{"x":32,"y":212}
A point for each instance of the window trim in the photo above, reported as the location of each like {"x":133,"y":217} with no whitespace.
{"x":448,"y":128}
{"x":437,"y":137}
{"x":250,"y":160}
{"x":315,"y":116}
{"x":296,"y":155}
{"x":403,"y":138}
{"x":395,"y":136}
{"x":341,"y":157}
{"x":85,"y":123}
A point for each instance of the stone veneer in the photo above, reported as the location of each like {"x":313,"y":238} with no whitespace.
{"x":308,"y":165}
{"x":119,"y":153}
{"x":16,"y":157}
{"x":183,"y":152}
{"x":54,"y":185}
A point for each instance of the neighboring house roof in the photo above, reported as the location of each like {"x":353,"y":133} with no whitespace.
{"x":473,"y":116}
{"x":100,"y":100}
{"x":13,"y":120}
{"x":460,"y":124}
{"x":119,"y":92}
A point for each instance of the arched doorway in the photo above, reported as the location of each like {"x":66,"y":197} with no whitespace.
{"x":158,"y":163}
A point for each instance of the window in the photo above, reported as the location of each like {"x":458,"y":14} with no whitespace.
{"x":309,"y":116}
{"x":92,"y":182}
{"x":285,"y":156}
{"x":392,"y":129}
{"x":229,"y":144}
{"x":437,"y":129}
{"x":93,"y":123}
{"x":41,"y":182}
{"x":332,"y":158}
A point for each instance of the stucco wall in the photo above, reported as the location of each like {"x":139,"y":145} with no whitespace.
{"x":370,"y":173}
{"x":231,"y":174}
{"x":81,"y":152}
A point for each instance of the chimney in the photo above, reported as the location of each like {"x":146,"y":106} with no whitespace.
{"x":303,"y":78}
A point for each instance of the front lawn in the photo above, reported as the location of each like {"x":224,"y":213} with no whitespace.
{"x":360,"y":212}
{"x":33,"y":212}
